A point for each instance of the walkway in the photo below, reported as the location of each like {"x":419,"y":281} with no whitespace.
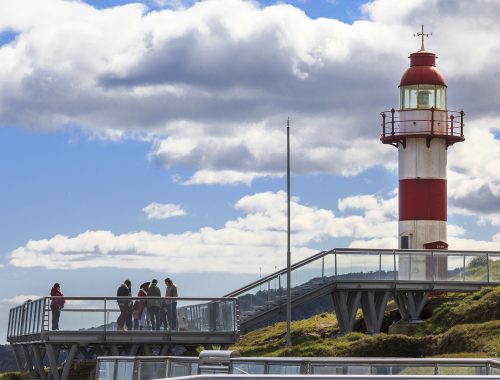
{"x":368,"y":279}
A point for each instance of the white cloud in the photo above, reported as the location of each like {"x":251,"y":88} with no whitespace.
{"x":163,"y":211}
{"x":255,"y":239}
{"x":17,"y":300}
{"x":257,"y":236}
{"x":213,"y":83}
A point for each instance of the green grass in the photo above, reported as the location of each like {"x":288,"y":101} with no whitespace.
{"x":463,"y":326}
{"x":13,"y":376}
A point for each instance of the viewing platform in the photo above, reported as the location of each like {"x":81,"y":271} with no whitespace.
{"x":354,"y":279}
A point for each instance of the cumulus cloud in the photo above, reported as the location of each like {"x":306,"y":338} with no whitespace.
{"x":259,"y":235}
{"x":19,"y":299}
{"x":163,"y":211}
{"x":211,"y":84}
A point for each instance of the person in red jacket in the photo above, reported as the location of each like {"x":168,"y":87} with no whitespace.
{"x":56,"y":305}
{"x":140,"y":310}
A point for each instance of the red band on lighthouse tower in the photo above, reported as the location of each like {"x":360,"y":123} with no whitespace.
{"x":422,"y":199}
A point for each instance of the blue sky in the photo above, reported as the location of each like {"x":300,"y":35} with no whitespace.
{"x":158,"y":148}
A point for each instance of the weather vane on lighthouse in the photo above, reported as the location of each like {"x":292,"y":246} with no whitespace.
{"x":423,"y":35}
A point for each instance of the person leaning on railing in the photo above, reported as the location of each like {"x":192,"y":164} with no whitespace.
{"x":56,"y":305}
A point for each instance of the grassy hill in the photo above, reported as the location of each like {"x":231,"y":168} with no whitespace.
{"x":458,"y":326}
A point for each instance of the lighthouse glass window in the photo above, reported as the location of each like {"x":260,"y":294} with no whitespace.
{"x":423,"y":96}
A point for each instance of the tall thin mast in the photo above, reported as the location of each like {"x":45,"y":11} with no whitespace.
{"x":288,"y":254}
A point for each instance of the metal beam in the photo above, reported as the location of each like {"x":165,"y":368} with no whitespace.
{"x":52,"y":361}
{"x":411,"y":304}
{"x":39,"y":361}
{"x":373,"y":304}
{"x":346,"y":305}
{"x":69,"y":361}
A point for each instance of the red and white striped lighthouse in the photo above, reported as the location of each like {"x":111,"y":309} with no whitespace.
{"x":422,"y":129}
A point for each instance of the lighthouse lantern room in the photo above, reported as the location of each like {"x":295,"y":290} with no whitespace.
{"x":422,"y":129}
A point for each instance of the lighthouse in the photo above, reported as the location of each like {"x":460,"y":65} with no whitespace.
{"x":422,"y":129}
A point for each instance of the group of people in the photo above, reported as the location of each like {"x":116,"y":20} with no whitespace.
{"x":150,"y":308}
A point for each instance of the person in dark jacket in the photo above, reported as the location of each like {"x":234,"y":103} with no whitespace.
{"x":125,"y":290}
{"x":56,"y":305}
{"x":154,"y":305}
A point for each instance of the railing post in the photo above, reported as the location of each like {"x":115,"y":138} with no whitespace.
{"x":432,"y":120}
{"x":464,"y":267}
{"x":451,"y":128}
{"x":105,"y":316}
{"x":335,"y":266}
{"x":433,"y":263}
{"x":392,"y":121}
{"x":380,"y":266}
{"x":461,"y":123}
{"x":487,"y":267}
{"x":323,"y":269}
{"x":383,"y":124}
{"x":395,"y":272}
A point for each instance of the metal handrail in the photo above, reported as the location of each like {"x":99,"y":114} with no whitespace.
{"x":32,"y":317}
{"x":335,"y":251}
{"x":391,"y":122}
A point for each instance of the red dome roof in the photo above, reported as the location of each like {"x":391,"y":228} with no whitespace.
{"x":422,"y":70}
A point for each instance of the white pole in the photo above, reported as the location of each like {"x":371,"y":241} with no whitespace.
{"x":288,"y":254}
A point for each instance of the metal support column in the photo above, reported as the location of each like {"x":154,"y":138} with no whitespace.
{"x":411,"y":303}
{"x":28,"y":357}
{"x":346,"y":303}
{"x":69,"y":361}
{"x":373,"y":304}
{"x":37,"y":351}
{"x":52,"y":361}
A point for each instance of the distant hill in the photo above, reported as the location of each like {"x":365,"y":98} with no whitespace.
{"x":458,"y":326}
{"x":7,"y":360}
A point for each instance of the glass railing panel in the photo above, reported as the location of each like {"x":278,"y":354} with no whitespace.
{"x":283,"y":369}
{"x":325,"y":369}
{"x":105,"y":369}
{"x":180,"y":368}
{"x":476,"y":268}
{"x":462,"y":370}
{"x":494,"y":268}
{"x":361,"y":266}
{"x":414,"y":266}
{"x":124,"y":369}
{"x":455,"y":267}
{"x":252,"y":301}
{"x":152,"y":370}
{"x":329,"y":265}
{"x":413,"y":370}
{"x":358,"y":370}
{"x":225,"y":318}
{"x":387,"y":267}
{"x":248,"y":368}
{"x":273,"y":291}
{"x":307,"y":277}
